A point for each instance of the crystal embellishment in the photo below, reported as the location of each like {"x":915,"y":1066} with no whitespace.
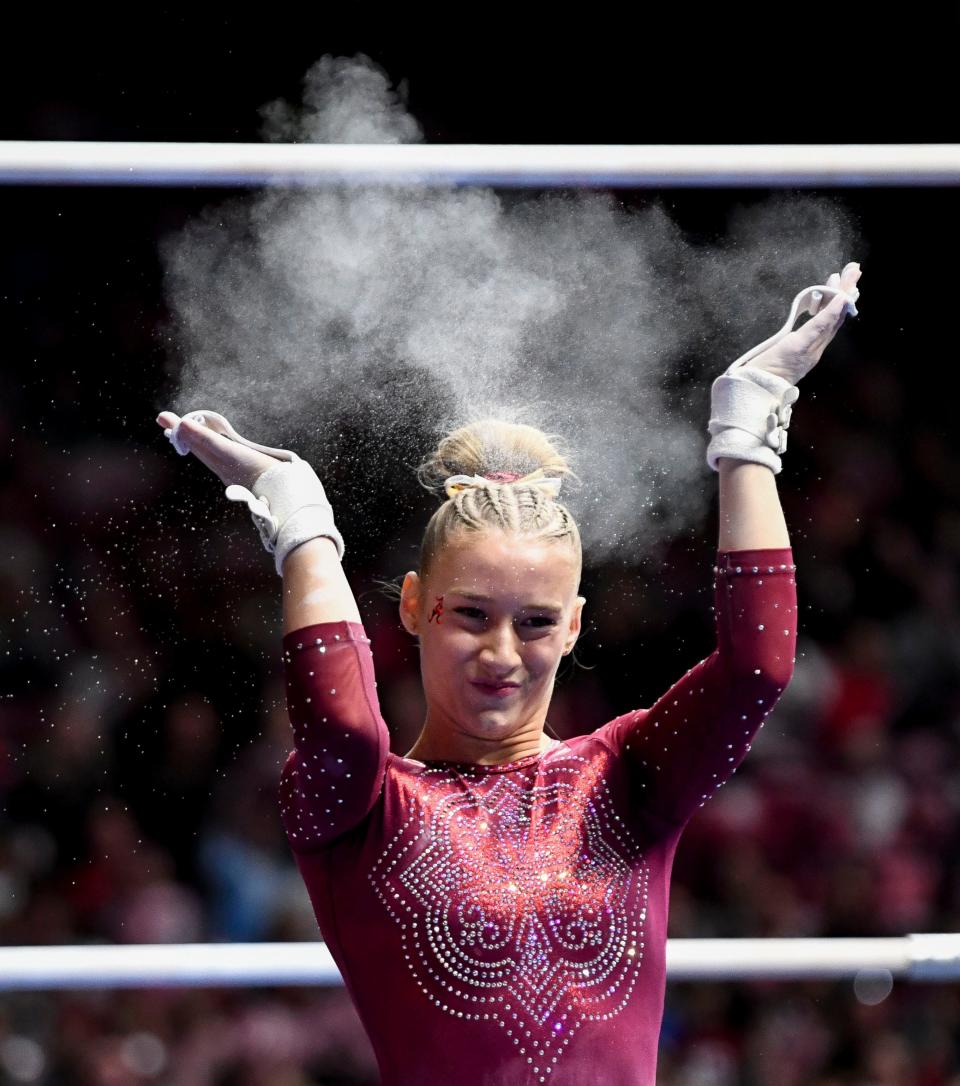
{"x":520,"y":897}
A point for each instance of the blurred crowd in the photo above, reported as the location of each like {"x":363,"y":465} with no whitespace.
{"x":144,"y":727}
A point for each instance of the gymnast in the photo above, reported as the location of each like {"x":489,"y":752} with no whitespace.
{"x":496,"y":899}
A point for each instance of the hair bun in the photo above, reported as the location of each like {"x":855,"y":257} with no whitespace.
{"x":494,"y":451}
{"x":505,"y":476}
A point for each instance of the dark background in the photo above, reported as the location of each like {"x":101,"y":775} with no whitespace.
{"x":143,"y":725}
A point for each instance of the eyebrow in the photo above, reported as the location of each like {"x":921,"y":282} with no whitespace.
{"x":556,"y":608}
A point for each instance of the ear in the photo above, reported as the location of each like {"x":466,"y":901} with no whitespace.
{"x":574,"y":631}
{"x":410,"y":603}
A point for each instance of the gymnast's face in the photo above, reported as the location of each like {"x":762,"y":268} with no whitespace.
{"x":494,"y":618}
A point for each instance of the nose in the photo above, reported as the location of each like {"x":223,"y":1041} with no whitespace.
{"x":499,"y":652}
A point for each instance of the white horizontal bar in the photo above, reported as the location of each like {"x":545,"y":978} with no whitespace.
{"x":624,"y":165}
{"x":187,"y":965}
{"x":786,"y":959}
{"x":213,"y":965}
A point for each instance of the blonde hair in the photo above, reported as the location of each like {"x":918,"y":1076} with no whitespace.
{"x":486,"y":447}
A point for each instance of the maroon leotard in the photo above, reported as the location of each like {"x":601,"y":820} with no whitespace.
{"x":507,"y":924}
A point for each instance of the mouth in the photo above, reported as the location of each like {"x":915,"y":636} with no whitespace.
{"x":496,"y":690}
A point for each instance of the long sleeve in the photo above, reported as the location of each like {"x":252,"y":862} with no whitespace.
{"x":334,"y":775}
{"x":687,"y":744}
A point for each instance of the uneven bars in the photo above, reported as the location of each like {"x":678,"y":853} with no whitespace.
{"x":213,"y":965}
{"x":68,"y":162}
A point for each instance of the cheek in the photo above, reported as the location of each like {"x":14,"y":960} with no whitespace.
{"x":442,"y":649}
{"x":546,"y":654}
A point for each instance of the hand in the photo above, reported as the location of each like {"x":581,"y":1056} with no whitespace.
{"x":230,"y":461}
{"x":796,"y":354}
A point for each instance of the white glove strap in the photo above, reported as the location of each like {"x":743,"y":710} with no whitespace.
{"x":737,"y":445}
{"x":289,"y":506}
{"x":749,"y":415}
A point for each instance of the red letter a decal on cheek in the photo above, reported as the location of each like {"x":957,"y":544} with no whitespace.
{"x":437,"y":610}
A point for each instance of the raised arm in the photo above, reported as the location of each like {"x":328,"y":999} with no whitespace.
{"x":333,"y":776}
{"x":686,"y":745}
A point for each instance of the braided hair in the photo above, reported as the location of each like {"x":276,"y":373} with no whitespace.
{"x":503,"y":454}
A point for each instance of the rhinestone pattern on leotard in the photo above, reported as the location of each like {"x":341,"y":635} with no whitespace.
{"x":521,"y":898}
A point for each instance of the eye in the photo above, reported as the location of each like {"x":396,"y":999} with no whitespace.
{"x":538,"y":622}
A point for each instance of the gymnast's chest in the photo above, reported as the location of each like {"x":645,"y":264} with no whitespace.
{"x":483,"y":850}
